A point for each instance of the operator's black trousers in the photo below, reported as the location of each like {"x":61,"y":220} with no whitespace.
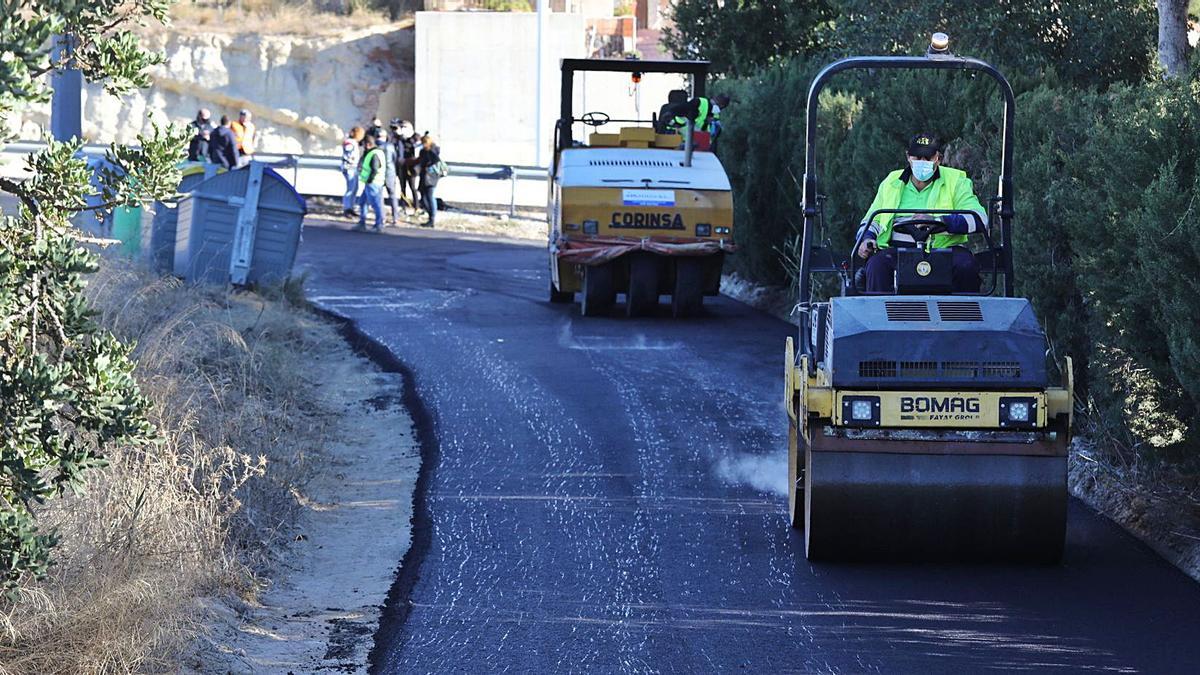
{"x":881,"y":271}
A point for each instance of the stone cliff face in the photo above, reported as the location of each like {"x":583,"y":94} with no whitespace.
{"x":304,"y":91}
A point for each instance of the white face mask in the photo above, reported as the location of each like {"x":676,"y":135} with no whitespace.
{"x":922,"y":169}
{"x":406,"y":130}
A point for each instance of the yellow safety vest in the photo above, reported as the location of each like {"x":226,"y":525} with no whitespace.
{"x":941,"y":197}
{"x":702,"y":117}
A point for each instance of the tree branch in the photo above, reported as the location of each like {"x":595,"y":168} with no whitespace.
{"x":95,"y":34}
{"x":97,"y":207}
{"x":14,"y":188}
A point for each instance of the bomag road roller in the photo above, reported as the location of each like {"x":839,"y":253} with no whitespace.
{"x":922,"y":423}
{"x":635,"y":211}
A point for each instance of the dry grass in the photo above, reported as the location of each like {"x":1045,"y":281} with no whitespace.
{"x":198,"y":514}
{"x":276,"y":17}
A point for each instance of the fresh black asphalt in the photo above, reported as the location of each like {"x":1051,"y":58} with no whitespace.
{"x":607,"y":495}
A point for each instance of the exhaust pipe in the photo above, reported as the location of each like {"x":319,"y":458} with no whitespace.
{"x":687,"y":143}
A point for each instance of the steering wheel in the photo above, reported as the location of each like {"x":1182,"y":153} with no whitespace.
{"x":595,"y":119}
{"x":920,"y":234}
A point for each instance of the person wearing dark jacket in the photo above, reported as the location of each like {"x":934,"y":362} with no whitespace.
{"x":376,"y":128}
{"x":410,"y":145}
{"x":222,"y":146}
{"x":430,"y":163}
{"x":203,"y":121}
{"x":665,"y":123}
{"x":198,"y":146}
{"x":391,"y":163}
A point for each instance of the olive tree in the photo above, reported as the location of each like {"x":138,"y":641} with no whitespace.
{"x":67,"y":392}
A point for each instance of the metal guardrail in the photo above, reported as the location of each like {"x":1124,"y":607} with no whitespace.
{"x":300,"y":162}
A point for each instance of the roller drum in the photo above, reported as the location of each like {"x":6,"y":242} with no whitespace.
{"x":868,"y":505}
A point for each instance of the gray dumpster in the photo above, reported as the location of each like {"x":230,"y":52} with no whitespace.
{"x":240,"y":227}
{"x":160,"y":232}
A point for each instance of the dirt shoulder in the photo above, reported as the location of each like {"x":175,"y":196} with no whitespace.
{"x":322,"y":607}
{"x":262,"y":530}
{"x":1161,"y":510}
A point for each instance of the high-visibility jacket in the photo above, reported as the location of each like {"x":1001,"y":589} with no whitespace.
{"x":704,"y":116}
{"x":245,"y":136}
{"x":949,"y":189}
{"x":368,"y":173}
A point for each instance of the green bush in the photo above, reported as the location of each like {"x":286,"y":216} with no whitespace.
{"x":66,"y":387}
{"x":1107,"y":184}
{"x":740,"y":36}
{"x":1125,"y":188}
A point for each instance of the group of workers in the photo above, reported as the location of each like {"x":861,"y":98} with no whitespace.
{"x":229,"y":144}
{"x":408,"y":166}
{"x":405,"y":164}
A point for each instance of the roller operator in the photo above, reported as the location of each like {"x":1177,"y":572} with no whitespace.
{"x":924,"y":184}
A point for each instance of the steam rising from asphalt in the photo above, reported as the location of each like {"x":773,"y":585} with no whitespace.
{"x":765,"y":473}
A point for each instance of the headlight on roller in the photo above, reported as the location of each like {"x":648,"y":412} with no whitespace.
{"x":1018,"y":412}
{"x":591,"y":227}
{"x":860,"y":411}
{"x":703,"y":229}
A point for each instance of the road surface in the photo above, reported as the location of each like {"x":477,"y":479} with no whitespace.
{"x":608,"y":495}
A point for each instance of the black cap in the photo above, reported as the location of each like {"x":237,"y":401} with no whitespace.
{"x":924,"y":146}
{"x":396,"y":122}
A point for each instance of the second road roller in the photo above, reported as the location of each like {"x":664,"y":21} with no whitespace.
{"x":641,"y":206}
{"x":922,"y":421}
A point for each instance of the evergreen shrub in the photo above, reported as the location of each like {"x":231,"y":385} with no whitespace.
{"x":1106,"y":189}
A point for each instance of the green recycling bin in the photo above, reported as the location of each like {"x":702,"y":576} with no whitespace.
{"x":127,"y":227}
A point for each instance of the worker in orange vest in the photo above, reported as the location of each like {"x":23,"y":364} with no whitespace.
{"x":243,"y":129}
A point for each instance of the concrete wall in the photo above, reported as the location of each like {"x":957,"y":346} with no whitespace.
{"x":476,"y":84}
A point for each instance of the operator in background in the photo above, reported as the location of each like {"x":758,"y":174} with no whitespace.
{"x":705,"y":113}
{"x":924,"y":184}
{"x":665,"y":123}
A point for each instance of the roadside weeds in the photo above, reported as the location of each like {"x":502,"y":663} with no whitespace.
{"x":198,"y":526}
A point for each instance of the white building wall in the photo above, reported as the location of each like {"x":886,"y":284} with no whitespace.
{"x":476,"y":81}
{"x":476,"y":84}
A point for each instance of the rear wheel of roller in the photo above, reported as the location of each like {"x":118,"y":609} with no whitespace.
{"x":688,"y":297}
{"x":598,"y":293}
{"x":642,"y":298}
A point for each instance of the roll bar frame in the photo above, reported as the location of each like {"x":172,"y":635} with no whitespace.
{"x":697,"y":69}
{"x":811,"y":207}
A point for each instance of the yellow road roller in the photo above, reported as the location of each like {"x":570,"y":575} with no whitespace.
{"x":922,"y":422}
{"x":632,"y":210}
